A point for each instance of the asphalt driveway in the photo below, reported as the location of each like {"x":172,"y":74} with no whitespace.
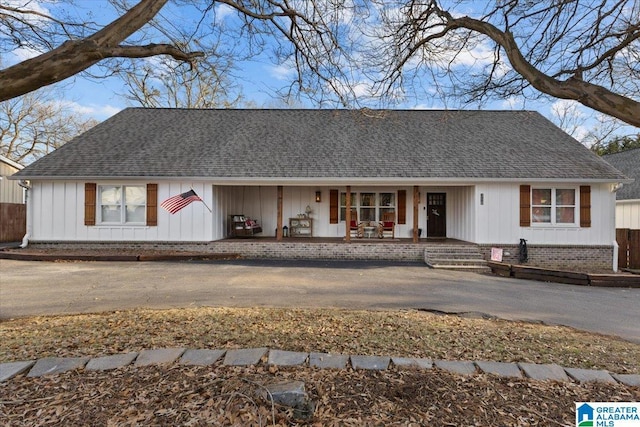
{"x":29,"y":288}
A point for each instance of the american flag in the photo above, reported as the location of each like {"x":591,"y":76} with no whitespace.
{"x":175,"y":203}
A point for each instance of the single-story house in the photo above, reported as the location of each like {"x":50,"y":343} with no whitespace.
{"x":488,"y":178}
{"x":627,"y":197}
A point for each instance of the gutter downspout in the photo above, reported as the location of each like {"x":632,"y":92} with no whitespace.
{"x":614,"y":189}
{"x":25,"y":240}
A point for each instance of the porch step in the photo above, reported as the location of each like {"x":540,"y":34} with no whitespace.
{"x":456,"y":257}
{"x":472,"y":262}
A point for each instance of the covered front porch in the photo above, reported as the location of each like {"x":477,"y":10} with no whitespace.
{"x":346,"y":213}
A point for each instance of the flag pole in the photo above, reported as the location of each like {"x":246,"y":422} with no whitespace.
{"x":205,"y":205}
{"x":202,"y":200}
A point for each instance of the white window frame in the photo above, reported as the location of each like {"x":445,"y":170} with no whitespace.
{"x":122,"y":204}
{"x":377,"y":206}
{"x":553,"y":207}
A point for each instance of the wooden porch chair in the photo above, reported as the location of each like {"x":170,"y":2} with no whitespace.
{"x":355,"y":229}
{"x":388,"y":225}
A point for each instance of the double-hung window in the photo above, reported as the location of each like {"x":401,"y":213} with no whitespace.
{"x":122,"y":204}
{"x":554,"y":206}
{"x":368,"y":205}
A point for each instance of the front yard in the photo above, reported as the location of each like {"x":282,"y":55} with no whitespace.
{"x":222,"y":395}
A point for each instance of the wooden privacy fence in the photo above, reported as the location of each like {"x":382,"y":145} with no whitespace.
{"x":13,"y":222}
{"x":629,"y":251}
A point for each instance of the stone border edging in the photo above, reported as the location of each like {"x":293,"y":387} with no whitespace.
{"x":275,"y":357}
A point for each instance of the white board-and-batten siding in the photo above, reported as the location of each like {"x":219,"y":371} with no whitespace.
{"x":628,"y":214}
{"x":485,"y":213}
{"x":10,"y":190}
{"x":498,"y":220}
{"x":57,"y":213}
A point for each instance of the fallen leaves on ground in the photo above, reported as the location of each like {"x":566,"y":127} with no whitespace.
{"x":232,"y":396}
{"x":408,"y":333}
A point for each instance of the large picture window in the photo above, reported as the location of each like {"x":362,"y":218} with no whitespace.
{"x":555,"y":206}
{"x":369,"y":206}
{"x":122,"y":204}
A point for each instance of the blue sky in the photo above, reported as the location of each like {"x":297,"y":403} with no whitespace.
{"x":259,"y":77}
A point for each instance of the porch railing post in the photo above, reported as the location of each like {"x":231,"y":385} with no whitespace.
{"x":416,"y":212}
{"x":279,"y":214}
{"x":347,"y":216}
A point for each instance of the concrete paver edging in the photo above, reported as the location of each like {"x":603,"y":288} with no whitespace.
{"x":549,"y":371}
{"x":328,"y":361}
{"x":254,"y":356}
{"x":456,"y":367}
{"x":158,"y":356}
{"x":11,"y":369}
{"x":586,"y":375}
{"x":57,"y":365}
{"x":114,"y":361}
{"x":501,"y":369}
{"x":201,"y":357}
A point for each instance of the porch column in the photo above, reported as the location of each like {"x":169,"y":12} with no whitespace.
{"x":347,"y":217}
{"x":279,"y":215}
{"x":416,"y":212}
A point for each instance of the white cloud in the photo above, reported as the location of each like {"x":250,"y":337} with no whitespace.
{"x":567,"y":106}
{"x":34,"y":5}
{"x":358,"y":89}
{"x":572,"y":117}
{"x":222,"y":12}
{"x":23,"y":53}
{"x":97,"y":111}
{"x":423,"y":106}
{"x":361,"y":89}
{"x":282,"y":72}
{"x":35,"y":19}
{"x":481,"y":54}
{"x":512,"y":103}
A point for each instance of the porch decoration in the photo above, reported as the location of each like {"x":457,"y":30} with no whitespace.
{"x":177,"y":202}
{"x":242,"y":226}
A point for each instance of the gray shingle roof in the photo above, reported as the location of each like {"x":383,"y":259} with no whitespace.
{"x":324,"y":144}
{"x":628,"y":162}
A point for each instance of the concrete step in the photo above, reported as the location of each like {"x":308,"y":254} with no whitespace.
{"x":470,"y":268}
{"x":458,"y":261}
{"x":456,"y":257}
{"x":453,"y":251}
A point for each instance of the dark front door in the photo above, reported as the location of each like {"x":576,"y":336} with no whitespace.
{"x":437,"y":215}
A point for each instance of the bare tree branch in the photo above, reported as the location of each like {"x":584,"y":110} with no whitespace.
{"x":36,"y":124}
{"x":591,"y":95}
{"x":583,"y":50}
{"x":75,"y":56}
{"x":577,"y":50}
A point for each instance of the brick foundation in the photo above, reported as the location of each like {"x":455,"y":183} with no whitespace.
{"x":257,"y":249}
{"x":558,"y":257}
{"x":548,"y":256}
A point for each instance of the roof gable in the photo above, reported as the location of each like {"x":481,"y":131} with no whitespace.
{"x":628,"y":162}
{"x":323,"y":144}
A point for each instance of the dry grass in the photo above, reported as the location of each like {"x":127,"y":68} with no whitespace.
{"x":233,"y":396}
{"x":394,"y":333}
